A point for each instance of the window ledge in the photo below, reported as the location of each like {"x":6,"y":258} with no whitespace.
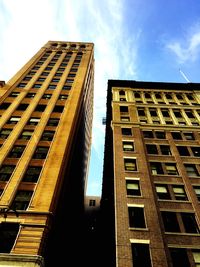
{"x":183,"y":234}
{"x":138,"y":229}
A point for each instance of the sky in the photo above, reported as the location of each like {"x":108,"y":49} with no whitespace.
{"x":144,"y":40}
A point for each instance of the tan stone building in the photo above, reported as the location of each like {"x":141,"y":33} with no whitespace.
{"x":151,"y":183}
{"x":46,"y":113}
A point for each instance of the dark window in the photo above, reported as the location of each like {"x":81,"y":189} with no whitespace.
{"x":141,"y":112}
{"x":191,"y":170}
{"x":136,"y":217}
{"x":126,"y":131}
{"x":165,"y":112}
{"x":162,"y":191}
{"x":6,"y":172}
{"x":37,"y":85}
{"x":40,"y":152}
{"x":123,"y":109}
{"x":47,"y":135}
{"x":46,"y":96}
{"x":153,"y":112}
{"x":58,"y":109}
{"x":22,"y":107}
{"x":92,"y":203}
{"x":165,"y":150}
{"x":141,"y":255}
{"x":148,"y":134}
{"x":179,"y":257}
{"x":55,"y":80}
{"x":30,"y":95}
{"x":130,"y":164}
{"x":189,"y":136}
{"x":40,"y":108}
{"x":176,"y":135}
{"x":177,"y":113}
{"x":32,"y":174}
{"x":51,"y":86}
{"x":41,"y":79}
{"x":21,"y":200}
{"x":53,"y":122}
{"x":14,"y":94}
{"x":66,"y":87}
{"x":189,"y":222}
{"x":21,"y":85}
{"x":151,"y":149}
{"x":160,"y":135}
{"x":183,"y":151}
{"x":189,"y":114}
{"x":197,"y":191}
{"x":196,"y":151}
{"x":45,"y":73}
{"x":4,"y":133}
{"x":16,"y":152}
{"x":8,"y":234}
{"x":128,"y":146}
{"x":133,"y":187}
{"x":170,"y":221}
{"x":156,"y":168}
{"x":4,"y":106}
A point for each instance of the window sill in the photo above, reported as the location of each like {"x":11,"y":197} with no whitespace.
{"x":138,"y":229}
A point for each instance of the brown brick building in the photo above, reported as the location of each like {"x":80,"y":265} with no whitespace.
{"x":46,"y":114}
{"x":151,"y":179}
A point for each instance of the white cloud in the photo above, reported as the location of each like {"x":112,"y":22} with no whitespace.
{"x":188,"y":49}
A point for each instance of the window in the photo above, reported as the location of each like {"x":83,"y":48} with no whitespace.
{"x":51,"y":86}
{"x":58,"y":109}
{"x":126,"y":131}
{"x":46,"y":96}
{"x":171,"y":169}
{"x":162,"y":192}
{"x":26,"y":135}
{"x":191,"y":170}
{"x":16,"y":152}
{"x":21,"y":85}
{"x":133,"y":187}
{"x":170,"y":221}
{"x":130,"y":164}
{"x":55,"y":80}
{"x":196,"y":256}
{"x":69,"y":80}
{"x":141,"y":112}
{"x":14,"y":94}
{"x":53,"y":122}
{"x":165,"y":113}
{"x":40,"y":108}
{"x":32,"y":174}
{"x":37,"y":85}
{"x":197,"y":191}
{"x":179,"y":192}
{"x":136,"y":217}
{"x":47,"y":135}
{"x":189,"y":136}
{"x":128,"y":146}
{"x":165,"y":150}
{"x":4,"y":133}
{"x":92,"y":203}
{"x":153,"y":112}
{"x":176,"y":135}
{"x":40,"y":152}
{"x":183,"y":151}
{"x":4,"y":106}
{"x":189,"y":222}
{"x":141,"y":255}
{"x":124,"y":118}
{"x":21,"y":200}
{"x":13,"y":120}
{"x":179,"y":257}
{"x":156,"y":168}
{"x":123,"y":109}
{"x":151,"y":149}
{"x":148,"y":134}
{"x":196,"y":151}
{"x":6,"y":172}
{"x":63,"y":97}
{"x":66,"y":87}
{"x":30,"y":95}
{"x":8,"y":234}
{"x":22,"y":107}
{"x":33,"y":121}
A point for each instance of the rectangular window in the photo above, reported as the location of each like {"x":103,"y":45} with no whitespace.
{"x":33,"y":121}
{"x":196,"y":257}
{"x":22,"y":107}
{"x":21,"y":200}
{"x":13,"y":120}
{"x":123,"y":109}
{"x":183,"y":151}
{"x":160,"y":135}
{"x":171,"y":168}
{"x":47,"y":135}
{"x":151,"y":149}
{"x":32,"y":174}
{"x":136,"y":217}
{"x":46,"y":96}
{"x":126,"y":131}
{"x":170,"y":221}
{"x":40,"y":152}
{"x":191,"y":170}
{"x":156,"y":168}
{"x":67,"y":87}
{"x":148,"y":134}
{"x":4,"y":106}
{"x":4,"y":133}
{"x":6,"y":172}
{"x":40,"y":108}
{"x":133,"y":187}
{"x":196,"y":151}
{"x":63,"y":97}
{"x":130,"y":164}
{"x":51,"y":87}
{"x":30,"y":95}
{"x":189,"y":136}
{"x":179,"y":257}
{"x":58,"y":109}
{"x":197,"y":191}
{"x":162,"y":191}
{"x":26,"y":135}
{"x":176,"y":135}
{"x":14,"y":94}
{"x":128,"y":146}
{"x":189,"y":222}
{"x":179,"y":192}
{"x":8,"y":235}
{"x":141,"y":255}
{"x":165,"y":150}
{"x":16,"y":152}
{"x":53,"y":122}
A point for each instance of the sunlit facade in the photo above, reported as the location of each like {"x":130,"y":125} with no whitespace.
{"x":46,"y":113}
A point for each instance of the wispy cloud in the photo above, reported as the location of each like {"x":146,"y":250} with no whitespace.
{"x":187,"y":49}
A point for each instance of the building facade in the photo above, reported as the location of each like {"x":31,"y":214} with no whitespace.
{"x":151,"y":179}
{"x":46,"y":113}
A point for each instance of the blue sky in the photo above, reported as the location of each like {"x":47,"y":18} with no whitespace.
{"x":147,"y":40}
